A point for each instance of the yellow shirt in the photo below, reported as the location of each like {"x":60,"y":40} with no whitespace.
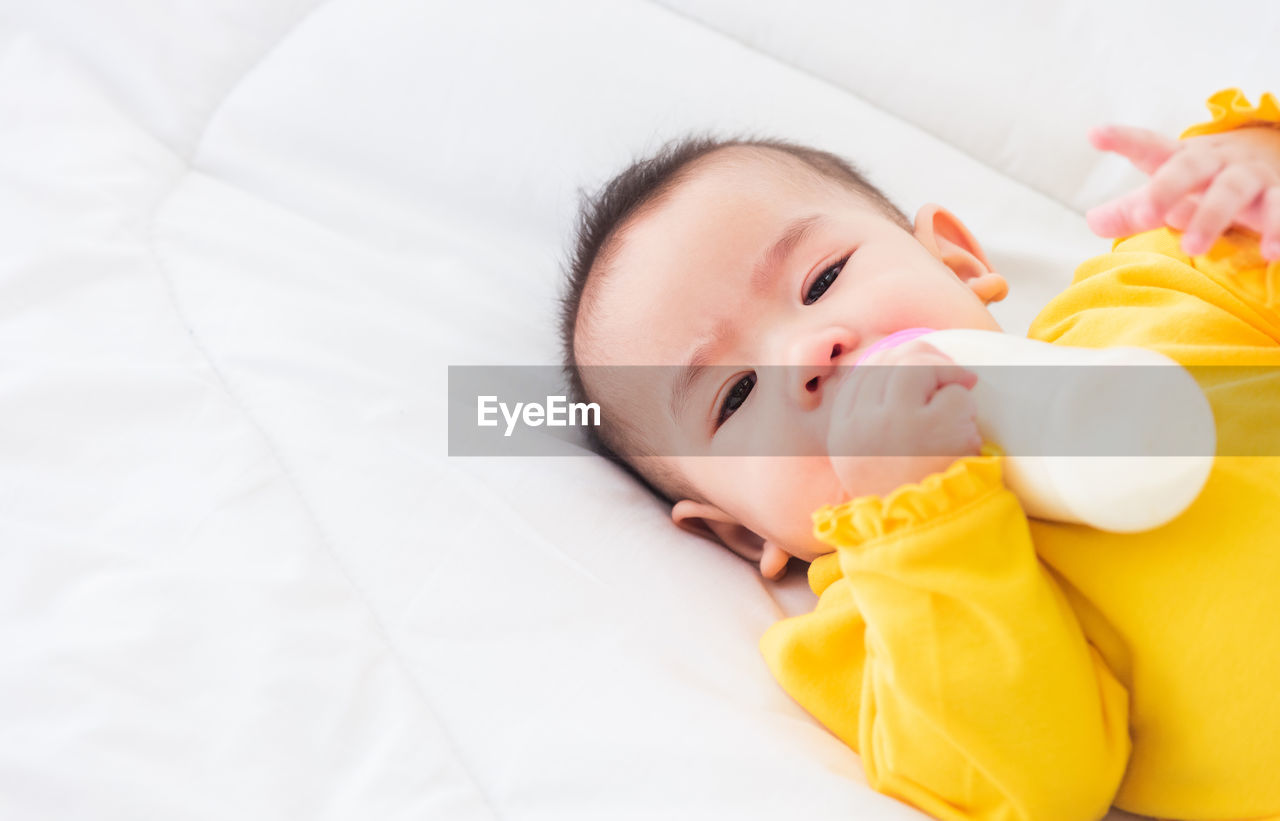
{"x":990,"y":666}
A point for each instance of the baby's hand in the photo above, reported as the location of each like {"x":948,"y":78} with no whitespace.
{"x":1200,"y":185}
{"x":894,"y":425}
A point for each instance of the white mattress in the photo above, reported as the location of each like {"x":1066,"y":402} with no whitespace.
{"x":240,"y":243}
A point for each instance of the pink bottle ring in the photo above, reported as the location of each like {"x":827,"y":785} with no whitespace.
{"x":893,"y":340}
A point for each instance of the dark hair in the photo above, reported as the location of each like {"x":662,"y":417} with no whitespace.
{"x":640,"y":186}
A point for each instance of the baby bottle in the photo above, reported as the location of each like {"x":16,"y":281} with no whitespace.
{"x":1114,"y":448}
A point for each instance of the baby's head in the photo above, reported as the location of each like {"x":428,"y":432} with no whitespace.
{"x":718,"y":259}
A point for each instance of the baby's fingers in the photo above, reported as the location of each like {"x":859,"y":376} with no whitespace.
{"x":1180,"y":215}
{"x":1124,"y":216}
{"x":1185,"y":173}
{"x":1262,"y":217}
{"x":1144,"y":148}
{"x":914,"y":385}
{"x":953,"y":430}
{"x":1230,"y":193}
{"x":1271,"y":223}
{"x":954,"y":375}
{"x":1150,"y":206}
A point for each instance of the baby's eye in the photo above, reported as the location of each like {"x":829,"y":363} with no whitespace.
{"x":823,"y":282}
{"x":737,"y":395}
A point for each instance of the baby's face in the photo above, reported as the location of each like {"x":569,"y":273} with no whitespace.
{"x":756,"y":261}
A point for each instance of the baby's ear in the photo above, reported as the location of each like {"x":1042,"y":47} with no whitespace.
{"x":946,"y":237}
{"x":710,"y":522}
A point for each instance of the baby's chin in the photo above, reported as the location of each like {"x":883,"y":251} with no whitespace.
{"x":793,"y":532}
{"x":789,"y":513}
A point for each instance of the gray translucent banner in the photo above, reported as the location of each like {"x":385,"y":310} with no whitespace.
{"x":887,"y":410}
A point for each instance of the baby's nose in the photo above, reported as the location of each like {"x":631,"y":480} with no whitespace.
{"x":814,"y":359}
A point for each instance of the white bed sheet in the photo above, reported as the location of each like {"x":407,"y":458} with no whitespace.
{"x":242,"y":242}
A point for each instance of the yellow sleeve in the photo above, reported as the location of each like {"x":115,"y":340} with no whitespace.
{"x":1217,"y":314}
{"x":1231,"y":109}
{"x":1200,"y":310}
{"x":946,"y":655}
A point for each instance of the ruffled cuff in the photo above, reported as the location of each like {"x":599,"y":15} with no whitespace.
{"x":868,"y":518}
{"x":1231,"y":110}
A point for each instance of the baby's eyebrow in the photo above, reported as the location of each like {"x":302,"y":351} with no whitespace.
{"x":688,"y":375}
{"x":792,"y":235}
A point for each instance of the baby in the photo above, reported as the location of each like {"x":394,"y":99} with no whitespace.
{"x":985,"y":665}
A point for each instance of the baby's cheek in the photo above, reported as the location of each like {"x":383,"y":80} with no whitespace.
{"x":790,"y":490}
